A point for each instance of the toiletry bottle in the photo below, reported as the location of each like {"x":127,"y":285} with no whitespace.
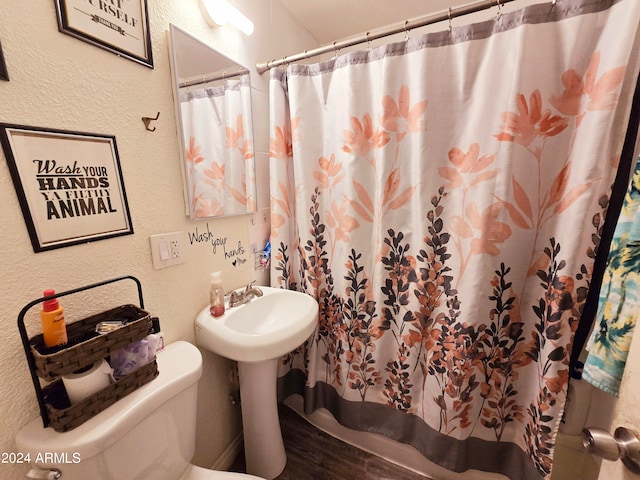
{"x":216,"y":295}
{"x":54,"y":330}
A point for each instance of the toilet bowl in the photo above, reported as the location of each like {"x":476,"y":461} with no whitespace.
{"x":147,"y":435}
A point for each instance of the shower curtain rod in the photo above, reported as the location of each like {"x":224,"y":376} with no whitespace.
{"x":203,"y":80}
{"x":408,"y":25}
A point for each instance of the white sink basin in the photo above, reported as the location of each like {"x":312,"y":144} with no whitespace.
{"x":265,"y":328}
{"x":256,"y":334}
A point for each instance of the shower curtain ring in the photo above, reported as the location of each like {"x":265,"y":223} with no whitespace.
{"x":368,"y":41}
{"x":336,"y":50}
{"x":499,"y":3}
{"x":406,"y":30}
{"x":450,"y":24}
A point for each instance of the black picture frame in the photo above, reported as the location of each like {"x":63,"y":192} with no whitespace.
{"x":119,"y":26}
{"x":4,"y":75}
{"x":69,"y":185}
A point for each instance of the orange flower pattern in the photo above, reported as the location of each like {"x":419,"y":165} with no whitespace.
{"x":401,"y":117}
{"x":588,"y":93}
{"x":361,"y":139}
{"x":220,"y":174}
{"x":530,"y":122}
{"x":192,"y":152}
{"x":404,"y":322}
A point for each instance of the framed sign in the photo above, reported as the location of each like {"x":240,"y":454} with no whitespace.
{"x":69,"y":185}
{"x":3,"y":66}
{"x":120,"y":26}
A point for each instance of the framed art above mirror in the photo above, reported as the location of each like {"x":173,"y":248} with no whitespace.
{"x":119,"y":27}
{"x":213,"y":103}
{"x":3,"y":66}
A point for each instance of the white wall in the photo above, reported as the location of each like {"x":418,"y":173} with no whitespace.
{"x":61,"y":82}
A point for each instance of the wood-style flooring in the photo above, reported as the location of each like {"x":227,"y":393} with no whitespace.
{"x":315,"y":455}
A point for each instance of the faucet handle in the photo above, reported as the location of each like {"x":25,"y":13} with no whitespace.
{"x":249,"y":285}
{"x":235,"y":298}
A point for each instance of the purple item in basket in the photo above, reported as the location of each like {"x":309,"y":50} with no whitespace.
{"x":131,"y":357}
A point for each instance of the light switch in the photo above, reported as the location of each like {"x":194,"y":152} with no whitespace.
{"x":164,"y":250}
{"x":167,"y":249}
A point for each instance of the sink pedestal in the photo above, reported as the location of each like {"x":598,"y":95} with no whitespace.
{"x":257,"y":334}
{"x":263,"y":447}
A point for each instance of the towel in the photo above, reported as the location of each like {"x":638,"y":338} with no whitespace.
{"x":619,"y":300}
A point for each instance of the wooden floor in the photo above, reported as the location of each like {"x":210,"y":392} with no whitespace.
{"x":315,"y":455}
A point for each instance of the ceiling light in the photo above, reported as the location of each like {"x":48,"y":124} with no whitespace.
{"x":221,"y":12}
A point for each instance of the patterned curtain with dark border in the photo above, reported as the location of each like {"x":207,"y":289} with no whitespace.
{"x":442,"y":198}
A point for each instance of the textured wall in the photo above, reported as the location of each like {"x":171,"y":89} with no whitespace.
{"x":61,"y":82}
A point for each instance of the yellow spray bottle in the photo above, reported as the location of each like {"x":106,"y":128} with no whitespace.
{"x":54,"y":330}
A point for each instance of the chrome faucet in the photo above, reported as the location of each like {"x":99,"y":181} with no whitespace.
{"x":241,"y":298}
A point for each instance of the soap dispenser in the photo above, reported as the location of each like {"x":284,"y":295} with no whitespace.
{"x":216,"y":295}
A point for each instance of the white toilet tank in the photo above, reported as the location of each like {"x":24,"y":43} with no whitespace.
{"x":149,"y":434}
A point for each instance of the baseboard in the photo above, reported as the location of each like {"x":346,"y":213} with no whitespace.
{"x":229,"y":455}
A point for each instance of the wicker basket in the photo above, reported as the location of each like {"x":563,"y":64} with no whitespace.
{"x":85,"y":346}
{"x":64,"y":417}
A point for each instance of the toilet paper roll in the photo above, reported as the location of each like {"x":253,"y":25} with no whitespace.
{"x":84,"y":384}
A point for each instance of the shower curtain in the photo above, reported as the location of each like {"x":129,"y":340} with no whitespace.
{"x":217,"y":128}
{"x":441,"y":198}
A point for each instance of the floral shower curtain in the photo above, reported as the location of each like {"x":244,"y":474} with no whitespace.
{"x":219,"y":155}
{"x":441,"y":198}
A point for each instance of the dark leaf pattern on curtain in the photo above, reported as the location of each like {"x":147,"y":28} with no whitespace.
{"x":464,"y":314}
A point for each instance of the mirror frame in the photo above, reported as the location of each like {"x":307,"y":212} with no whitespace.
{"x":176,"y":85}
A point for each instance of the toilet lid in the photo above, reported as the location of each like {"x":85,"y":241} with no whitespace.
{"x":198,"y":473}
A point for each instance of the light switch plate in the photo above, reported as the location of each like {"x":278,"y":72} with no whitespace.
{"x":167,"y":249}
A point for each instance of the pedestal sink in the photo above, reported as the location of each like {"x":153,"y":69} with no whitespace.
{"x":256,"y":334}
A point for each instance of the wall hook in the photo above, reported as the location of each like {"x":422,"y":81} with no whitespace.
{"x":148,"y":120}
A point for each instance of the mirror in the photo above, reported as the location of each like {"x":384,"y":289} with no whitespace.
{"x":213,"y":107}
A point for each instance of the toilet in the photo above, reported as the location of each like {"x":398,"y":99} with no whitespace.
{"x":147,"y":435}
